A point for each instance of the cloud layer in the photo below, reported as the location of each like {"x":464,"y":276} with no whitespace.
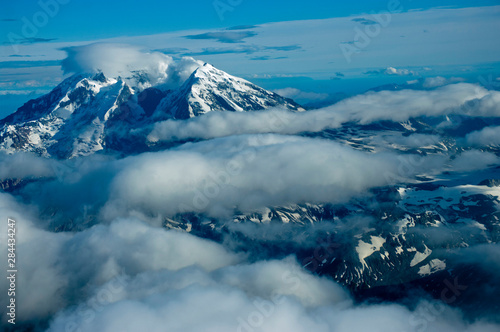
{"x":130,"y":276}
{"x":251,"y":172}
{"x":485,"y":137}
{"x":399,"y":106}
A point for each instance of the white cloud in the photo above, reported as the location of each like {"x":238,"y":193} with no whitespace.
{"x":413,"y":140}
{"x":124,"y":60}
{"x":297,"y":94}
{"x":218,"y":124}
{"x":485,"y":137}
{"x":22,"y":92}
{"x":25,"y":165}
{"x":59,"y":268}
{"x":250,"y":172}
{"x":433,"y":82}
{"x":391,"y":71}
{"x":474,"y":160}
{"x":461,"y":98}
{"x":399,"y":72}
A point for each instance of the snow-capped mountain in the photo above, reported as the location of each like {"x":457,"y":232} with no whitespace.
{"x":90,"y":113}
{"x":210,"y":89}
{"x":69,"y":121}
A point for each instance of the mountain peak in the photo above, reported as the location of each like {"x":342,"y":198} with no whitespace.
{"x":210,"y":73}
{"x":99,"y":77}
{"x":210,"y":89}
{"x":207,"y":70}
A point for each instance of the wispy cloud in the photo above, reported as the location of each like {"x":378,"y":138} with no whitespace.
{"x":239,"y":49}
{"x":432,"y":82}
{"x":364,"y":21}
{"x":267,"y":57}
{"x":19,"y":56}
{"x":300,"y":95}
{"x":243,"y":27}
{"x":22,"y":92}
{"x":225,"y":36}
{"x":33,"y":40}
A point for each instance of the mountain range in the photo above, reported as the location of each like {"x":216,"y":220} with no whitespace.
{"x":91,"y":113}
{"x":88,"y":113}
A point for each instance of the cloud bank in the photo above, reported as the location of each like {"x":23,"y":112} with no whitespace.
{"x":251,"y":172}
{"x":461,"y":99}
{"x":25,"y":166}
{"x":485,"y":137}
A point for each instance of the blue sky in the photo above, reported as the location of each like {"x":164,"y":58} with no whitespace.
{"x":91,"y":19}
{"x":312,"y":46}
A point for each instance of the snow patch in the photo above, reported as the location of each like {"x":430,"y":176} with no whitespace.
{"x":433,"y":266}
{"x":365,"y":250}
{"x":420,"y":256}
